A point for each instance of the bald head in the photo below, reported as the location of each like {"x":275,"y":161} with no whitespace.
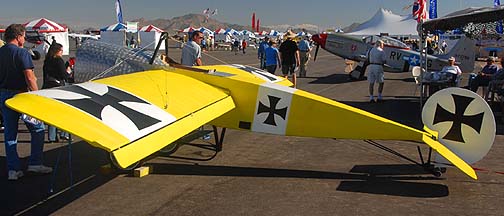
{"x":379,"y":43}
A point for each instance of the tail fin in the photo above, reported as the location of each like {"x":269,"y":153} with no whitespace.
{"x":463,"y":51}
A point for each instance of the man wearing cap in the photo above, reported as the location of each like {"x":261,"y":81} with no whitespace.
{"x":289,"y":56}
{"x":484,"y":76}
{"x":304,"y":54}
{"x":375,"y":70}
{"x":452,"y":69}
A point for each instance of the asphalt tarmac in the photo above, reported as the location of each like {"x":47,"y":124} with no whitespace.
{"x":260,"y":174}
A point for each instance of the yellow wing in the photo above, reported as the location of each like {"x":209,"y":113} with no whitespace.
{"x":131,"y":116}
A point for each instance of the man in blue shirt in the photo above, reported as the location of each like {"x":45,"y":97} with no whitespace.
{"x":272,"y":57}
{"x":304,"y":55}
{"x":485,"y":76}
{"x":260,"y":52}
{"x":17,"y":76}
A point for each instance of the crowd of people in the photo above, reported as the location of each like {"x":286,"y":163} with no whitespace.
{"x":286,"y":54}
{"x":490,"y":76}
{"x":290,"y":56}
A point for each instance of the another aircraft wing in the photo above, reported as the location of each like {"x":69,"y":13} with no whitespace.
{"x":132,"y":115}
{"x":458,"y":20}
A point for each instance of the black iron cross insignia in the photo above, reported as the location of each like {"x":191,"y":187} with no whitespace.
{"x":458,"y":118}
{"x":272,"y":110}
{"x":94,"y":104}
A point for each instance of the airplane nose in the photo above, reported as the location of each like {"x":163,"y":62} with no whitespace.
{"x":320,"y":39}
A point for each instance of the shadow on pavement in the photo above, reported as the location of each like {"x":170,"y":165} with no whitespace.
{"x":31,"y":194}
{"x":388,"y":186}
{"x":393,"y":184}
{"x":332,"y":79}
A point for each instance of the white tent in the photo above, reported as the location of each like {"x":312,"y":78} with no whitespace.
{"x":222,"y":36}
{"x":188,"y":30}
{"x":51,"y":31}
{"x":149,"y":37}
{"x":247,"y":35}
{"x":114,"y":34}
{"x":205,"y":31}
{"x":384,"y":21}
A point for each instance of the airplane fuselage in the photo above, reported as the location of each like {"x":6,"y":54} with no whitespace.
{"x":399,"y":58}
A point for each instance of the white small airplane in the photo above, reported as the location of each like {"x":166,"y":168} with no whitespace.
{"x":400,"y":58}
{"x":84,"y":36}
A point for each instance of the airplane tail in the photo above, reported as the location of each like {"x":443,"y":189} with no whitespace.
{"x":463,"y":51}
{"x":322,"y":117}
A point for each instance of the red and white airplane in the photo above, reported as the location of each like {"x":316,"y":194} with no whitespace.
{"x":400,"y":57}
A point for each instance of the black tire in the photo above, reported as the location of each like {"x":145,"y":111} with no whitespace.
{"x":117,"y":167}
{"x":170,"y":149}
{"x":36,"y":55}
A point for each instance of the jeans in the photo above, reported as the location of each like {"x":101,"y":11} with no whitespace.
{"x":53,"y":132}
{"x":11,"y":119}
{"x":271,"y":68}
{"x":262,"y":60}
{"x":303,"y":61}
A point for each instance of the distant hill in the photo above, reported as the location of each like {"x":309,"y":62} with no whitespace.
{"x":194,"y":20}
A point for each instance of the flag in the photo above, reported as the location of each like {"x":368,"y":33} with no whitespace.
{"x":419,"y":10}
{"x":214,"y":12}
{"x":206,"y":11}
{"x":257,"y":26}
{"x":498,"y":28}
{"x":433,"y":9}
{"x":118,"y":11}
{"x":253,"y":21}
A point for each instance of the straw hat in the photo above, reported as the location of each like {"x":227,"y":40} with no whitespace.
{"x":451,"y":59}
{"x":290,"y":35}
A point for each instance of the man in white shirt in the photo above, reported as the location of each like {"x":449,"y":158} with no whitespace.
{"x":375,"y":70}
{"x":452,"y":69}
{"x":191,"y":52}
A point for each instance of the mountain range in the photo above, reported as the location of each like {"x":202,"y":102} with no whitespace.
{"x":194,"y":20}
{"x":197,"y":20}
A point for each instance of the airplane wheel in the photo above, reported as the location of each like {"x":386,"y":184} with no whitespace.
{"x":36,"y":55}
{"x":170,"y":149}
{"x":438,"y":171}
{"x":113,"y":161}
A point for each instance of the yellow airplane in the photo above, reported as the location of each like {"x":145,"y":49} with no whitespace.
{"x":134,"y":115}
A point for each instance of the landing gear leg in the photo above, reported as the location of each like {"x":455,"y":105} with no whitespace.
{"x":218,"y":139}
{"x":428,"y":166}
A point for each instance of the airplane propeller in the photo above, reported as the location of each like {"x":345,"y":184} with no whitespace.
{"x":316,"y":52}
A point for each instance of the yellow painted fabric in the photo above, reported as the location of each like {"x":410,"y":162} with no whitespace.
{"x":154,"y":142}
{"x":177,"y":94}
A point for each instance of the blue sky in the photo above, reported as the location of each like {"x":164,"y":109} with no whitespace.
{"x":324,"y":13}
